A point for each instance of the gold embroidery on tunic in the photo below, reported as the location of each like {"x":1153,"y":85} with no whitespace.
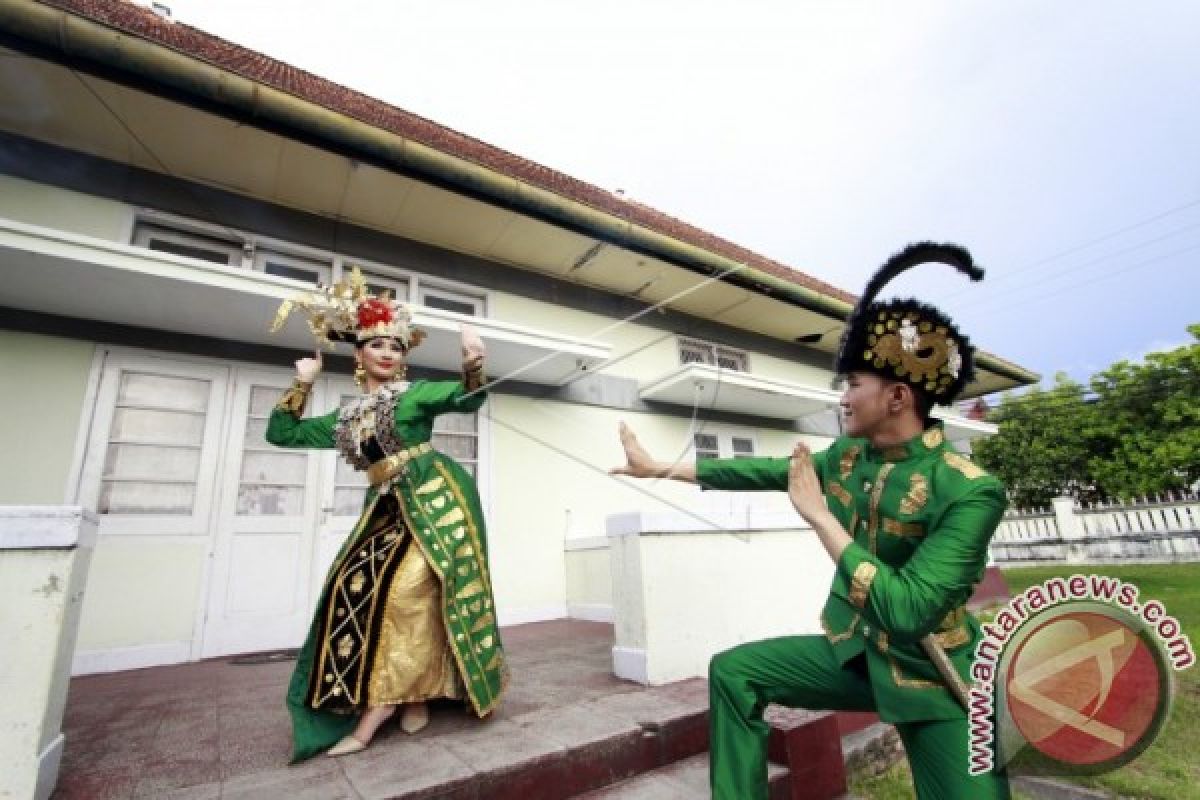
{"x":953,"y":638}
{"x":910,"y":683}
{"x":431,"y":486}
{"x":455,"y":515}
{"x":345,"y":646}
{"x":952,"y":618}
{"x":470,"y":590}
{"x":846,"y":463}
{"x":834,"y":638}
{"x":933,"y":437}
{"x":839,"y":491}
{"x":483,"y":622}
{"x":860,"y":584}
{"x":876,"y":496}
{"x":917,"y":497}
{"x":963,"y":465}
{"x":898,"y":528}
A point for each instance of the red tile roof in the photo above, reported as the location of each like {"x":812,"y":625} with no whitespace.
{"x":139,"y":21}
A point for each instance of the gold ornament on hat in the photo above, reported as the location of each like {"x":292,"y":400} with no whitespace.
{"x":346,"y":311}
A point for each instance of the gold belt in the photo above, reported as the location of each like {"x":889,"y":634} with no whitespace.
{"x":387,"y":468}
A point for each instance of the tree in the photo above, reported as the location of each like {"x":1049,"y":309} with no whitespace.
{"x":1150,"y":438}
{"x":1038,"y":452}
{"x":1135,"y":431}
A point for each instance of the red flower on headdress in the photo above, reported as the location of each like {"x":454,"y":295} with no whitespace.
{"x":372,"y":312}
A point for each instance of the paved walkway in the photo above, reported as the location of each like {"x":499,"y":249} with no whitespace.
{"x":215,"y":729}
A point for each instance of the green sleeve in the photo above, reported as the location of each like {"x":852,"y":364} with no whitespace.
{"x":447,"y":397}
{"x":909,"y":601}
{"x":751,"y":474}
{"x":284,"y":430}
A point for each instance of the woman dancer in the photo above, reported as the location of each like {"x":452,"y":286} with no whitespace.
{"x":406,"y":613}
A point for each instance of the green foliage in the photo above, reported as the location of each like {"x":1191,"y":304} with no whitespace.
{"x":1036,"y":454}
{"x":1134,"y":431}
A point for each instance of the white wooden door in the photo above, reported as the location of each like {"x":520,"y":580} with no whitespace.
{"x":342,"y":490}
{"x":259,"y":595}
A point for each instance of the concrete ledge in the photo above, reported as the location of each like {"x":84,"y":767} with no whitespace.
{"x":585,"y":543}
{"x":593,"y":612}
{"x":46,"y":527}
{"x":629,"y":663}
{"x":637,"y":523}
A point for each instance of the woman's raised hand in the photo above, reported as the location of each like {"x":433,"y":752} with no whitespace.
{"x":307,"y":369}
{"x":473,"y":350}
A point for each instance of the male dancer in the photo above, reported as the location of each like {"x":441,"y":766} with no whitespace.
{"x":906,"y":520}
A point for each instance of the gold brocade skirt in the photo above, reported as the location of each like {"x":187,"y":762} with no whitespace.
{"x":413,"y":661}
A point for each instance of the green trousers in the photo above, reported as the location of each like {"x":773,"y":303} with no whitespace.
{"x":802,"y":672}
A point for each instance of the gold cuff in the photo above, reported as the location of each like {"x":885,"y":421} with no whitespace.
{"x":295,"y":399}
{"x":860,"y":584}
{"x":473,"y":379}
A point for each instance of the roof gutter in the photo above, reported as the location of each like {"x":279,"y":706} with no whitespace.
{"x":80,"y":39}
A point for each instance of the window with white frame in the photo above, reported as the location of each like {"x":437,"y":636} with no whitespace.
{"x":271,"y":480}
{"x":298,"y":268}
{"x":458,"y":302}
{"x":377,"y":283}
{"x":189,"y":245}
{"x":706,"y":445}
{"x":694,"y":351}
{"x":722,"y":444}
{"x":222,"y":245}
{"x":742,"y":447}
{"x":153,"y":453}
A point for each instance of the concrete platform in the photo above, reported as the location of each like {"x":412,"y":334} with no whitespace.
{"x":683,"y":780}
{"x":216,"y":729}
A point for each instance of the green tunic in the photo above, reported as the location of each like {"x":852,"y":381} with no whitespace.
{"x":440,"y":506}
{"x":921,"y":516}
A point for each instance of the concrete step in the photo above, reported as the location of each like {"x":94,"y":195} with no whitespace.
{"x":683,"y":780}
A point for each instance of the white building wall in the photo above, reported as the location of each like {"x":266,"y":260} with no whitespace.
{"x":548,"y":481}
{"x":52,"y":207}
{"x":43,"y":381}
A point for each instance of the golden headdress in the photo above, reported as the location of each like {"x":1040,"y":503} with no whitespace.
{"x":348,"y":312}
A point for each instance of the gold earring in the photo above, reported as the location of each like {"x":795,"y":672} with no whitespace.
{"x":402,"y":373}
{"x":360,"y":375}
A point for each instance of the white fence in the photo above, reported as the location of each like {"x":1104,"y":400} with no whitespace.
{"x":1150,"y":529}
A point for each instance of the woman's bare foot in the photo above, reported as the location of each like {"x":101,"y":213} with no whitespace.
{"x":415,"y":717}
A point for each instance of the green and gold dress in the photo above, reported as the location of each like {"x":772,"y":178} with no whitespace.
{"x":406,"y":613}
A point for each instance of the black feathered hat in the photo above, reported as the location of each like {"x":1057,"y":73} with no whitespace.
{"x":906,"y":340}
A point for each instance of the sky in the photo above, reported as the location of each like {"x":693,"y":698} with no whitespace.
{"x":1058,"y":141}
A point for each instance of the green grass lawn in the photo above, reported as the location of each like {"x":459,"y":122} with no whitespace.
{"x":1170,"y":768}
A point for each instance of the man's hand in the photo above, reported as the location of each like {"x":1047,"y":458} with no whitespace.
{"x":638,"y":463}
{"x":804,"y":488}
